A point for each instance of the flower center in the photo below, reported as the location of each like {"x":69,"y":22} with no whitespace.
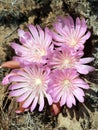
{"x":66,"y":61}
{"x":38,"y":81}
{"x":73,"y":42}
{"x":39,"y":53}
{"x":66,"y":82}
{"x":42,"y":52}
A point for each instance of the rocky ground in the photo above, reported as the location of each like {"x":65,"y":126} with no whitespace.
{"x":16,"y":14}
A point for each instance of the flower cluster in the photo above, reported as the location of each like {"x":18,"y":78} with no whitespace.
{"x":50,"y":64}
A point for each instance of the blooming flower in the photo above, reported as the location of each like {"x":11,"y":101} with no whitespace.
{"x":29,"y":86}
{"x":69,"y":33}
{"x":66,"y":57}
{"x":47,"y":65}
{"x":65,"y":85}
{"x":36,"y":45}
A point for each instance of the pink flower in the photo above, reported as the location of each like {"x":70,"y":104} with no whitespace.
{"x":69,"y":33}
{"x":30,"y":85}
{"x":66,"y":57}
{"x":65,"y":85}
{"x":48,"y":65}
{"x":36,"y":45}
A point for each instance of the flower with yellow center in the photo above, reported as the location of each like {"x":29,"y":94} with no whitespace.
{"x":65,"y":85}
{"x":63,"y":59}
{"x":30,"y":85}
{"x":36,"y":44}
{"x":70,"y":33}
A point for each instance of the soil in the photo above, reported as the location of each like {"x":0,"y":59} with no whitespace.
{"x":16,"y":14}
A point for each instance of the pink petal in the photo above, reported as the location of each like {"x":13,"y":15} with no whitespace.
{"x":79,"y":91}
{"x":69,"y":102}
{"x":86,"y":60}
{"x":18,"y":48}
{"x":41,"y":102}
{"x":48,"y":38}
{"x":17,"y":86}
{"x":22,"y":35}
{"x":18,"y":92}
{"x":83,"y":28}
{"x":80,"y":83}
{"x":84,"y":69}
{"x":72,"y":73}
{"x":25,"y":38}
{"x":61,"y":32}
{"x":23,"y":74}
{"x":86,"y":36}
{"x":84,"y":86}
{"x":70,"y":99}
{"x":6,"y":80}
{"x":63,"y":99}
{"x":79,"y":94}
{"x":57,"y":95}
{"x":71,"y":21}
{"x":49,"y":98}
{"x":41,"y":33}
{"x":28,"y":101}
{"x":78,"y":26}
{"x":23,"y":97}
{"x":58,"y":27}
{"x":34,"y":103}
{"x":34,"y":33}
{"x":17,"y":79}
{"x":57,"y":37}
{"x":68,"y":25}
